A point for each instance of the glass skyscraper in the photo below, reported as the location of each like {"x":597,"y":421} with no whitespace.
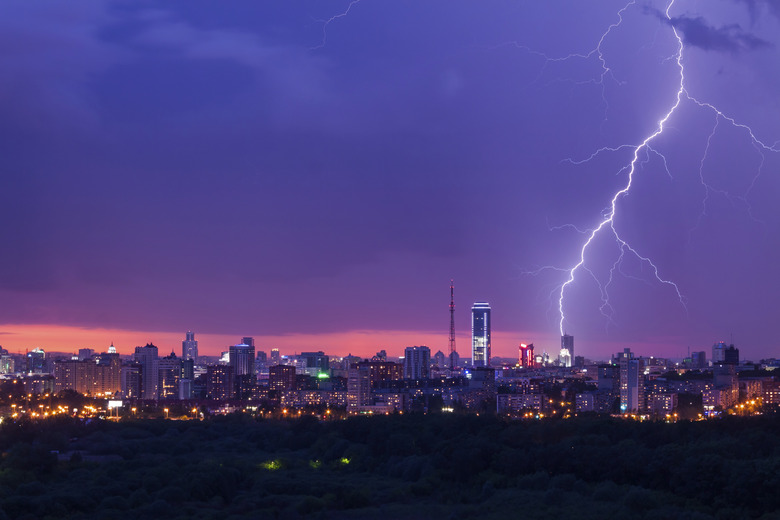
{"x":480,"y":334}
{"x":566,"y":357}
{"x":189,"y":347}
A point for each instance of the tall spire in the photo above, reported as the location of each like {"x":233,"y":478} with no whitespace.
{"x":452,"y":324}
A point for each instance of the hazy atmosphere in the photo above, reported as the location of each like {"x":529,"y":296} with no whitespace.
{"x":313,"y":174}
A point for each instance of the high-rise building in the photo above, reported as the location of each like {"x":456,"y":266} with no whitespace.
{"x":131,"y":380}
{"x":358,"y":386}
{"x":609,"y":379}
{"x":722,"y":353}
{"x":242,"y":359}
{"x":314,"y":363}
{"x":699,"y":359}
{"x":480,"y":334}
{"x":417,"y":362}
{"x":724,"y":370}
{"x":189,"y":347}
{"x":36,"y":361}
{"x":108,"y":372}
{"x":567,"y":350}
{"x":149,"y":360}
{"x":169,"y":375}
{"x":719,"y":352}
{"x":261,"y":360}
{"x":381,"y":372}
{"x":526,"y":357}
{"x":440,"y":360}
{"x":219,"y":382}
{"x":6,"y":364}
{"x":187,"y":380}
{"x":731,"y":356}
{"x":632,"y":384}
{"x":455,"y":359}
{"x":71,"y":374}
{"x":281,"y":378}
{"x":276,"y":358}
{"x":96,"y":377}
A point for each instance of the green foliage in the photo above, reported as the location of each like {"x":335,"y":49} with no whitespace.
{"x":412,"y":465}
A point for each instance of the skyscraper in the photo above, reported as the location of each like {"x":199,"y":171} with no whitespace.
{"x":36,"y":361}
{"x":719,"y":352}
{"x":358,"y":386}
{"x":189,"y":347}
{"x":169,"y":375}
{"x":526,"y":357}
{"x":187,"y":379}
{"x":480,"y":334}
{"x":242,"y":360}
{"x":417,"y":361}
{"x":149,"y":360}
{"x":723,"y":354}
{"x":567,"y":350}
{"x":632,"y":384}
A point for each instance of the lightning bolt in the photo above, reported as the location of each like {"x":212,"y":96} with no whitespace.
{"x":328,"y":21}
{"x":608,"y":221}
{"x":757,"y":144}
{"x":641,"y":154}
{"x":596,"y":51}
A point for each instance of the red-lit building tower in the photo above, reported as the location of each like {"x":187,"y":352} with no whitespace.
{"x":527,"y":355}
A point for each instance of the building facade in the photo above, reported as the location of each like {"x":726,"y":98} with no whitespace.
{"x":189,"y":347}
{"x":149,"y":359}
{"x":169,"y":377}
{"x":480,"y":334}
{"x":417,"y":362}
{"x":632,"y":383}
{"x":281,"y":378}
{"x":566,"y":355}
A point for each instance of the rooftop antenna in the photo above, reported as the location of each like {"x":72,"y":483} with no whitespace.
{"x":452,"y":325}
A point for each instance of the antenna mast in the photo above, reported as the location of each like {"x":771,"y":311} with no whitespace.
{"x":452,"y":325}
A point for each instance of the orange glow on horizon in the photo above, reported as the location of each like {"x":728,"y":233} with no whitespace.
{"x":364,"y":343}
{"x":18,"y":338}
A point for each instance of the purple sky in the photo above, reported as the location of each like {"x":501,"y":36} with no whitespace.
{"x":246,"y":168}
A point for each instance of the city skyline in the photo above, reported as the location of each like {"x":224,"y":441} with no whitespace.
{"x":314,"y":174}
{"x":391,"y":350}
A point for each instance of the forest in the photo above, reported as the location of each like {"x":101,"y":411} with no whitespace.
{"x":410,"y":466}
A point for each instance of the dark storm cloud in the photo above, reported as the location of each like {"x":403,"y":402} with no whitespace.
{"x":292,"y":70}
{"x":251,"y":132}
{"x":754,"y":7}
{"x":698,"y":33}
{"x":48,"y":53}
{"x":198,"y":164}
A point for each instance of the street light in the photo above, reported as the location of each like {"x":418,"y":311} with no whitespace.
{"x":166,"y":412}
